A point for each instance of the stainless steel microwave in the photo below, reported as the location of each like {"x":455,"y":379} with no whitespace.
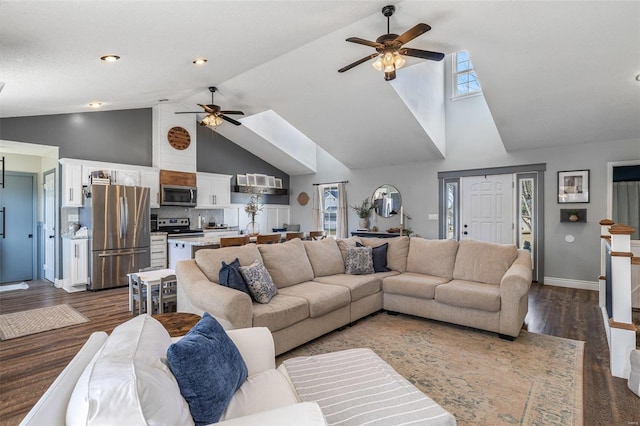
{"x":175,"y":195}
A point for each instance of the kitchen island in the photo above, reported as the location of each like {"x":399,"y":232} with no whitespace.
{"x":184,"y":248}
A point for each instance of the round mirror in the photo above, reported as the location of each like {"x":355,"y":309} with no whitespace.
{"x":386,"y":200}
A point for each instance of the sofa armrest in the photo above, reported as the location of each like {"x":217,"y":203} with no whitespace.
{"x":302,"y":414}
{"x":51,"y":408}
{"x":517,"y":280}
{"x":196,"y":294}
{"x":256,"y":347}
{"x":514,"y":294}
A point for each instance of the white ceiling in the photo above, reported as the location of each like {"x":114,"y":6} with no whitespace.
{"x":553,"y":73}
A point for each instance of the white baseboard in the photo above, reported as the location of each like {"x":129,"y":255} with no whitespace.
{"x":565,"y":282}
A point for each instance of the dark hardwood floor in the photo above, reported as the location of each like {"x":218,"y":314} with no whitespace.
{"x":28,"y":365}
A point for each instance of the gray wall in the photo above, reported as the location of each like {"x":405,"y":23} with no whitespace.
{"x":111,"y":136}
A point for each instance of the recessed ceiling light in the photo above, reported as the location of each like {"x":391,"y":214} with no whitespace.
{"x":110,"y":58}
{"x":199,"y":61}
{"x":95,"y":104}
{"x":163,"y":100}
{"x":638,"y":77}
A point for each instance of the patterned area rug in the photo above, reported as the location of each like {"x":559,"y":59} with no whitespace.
{"x":33,"y":321}
{"x":479,"y":378}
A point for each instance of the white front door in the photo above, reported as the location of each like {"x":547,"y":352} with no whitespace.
{"x":487,"y":206}
{"x":49,"y":227}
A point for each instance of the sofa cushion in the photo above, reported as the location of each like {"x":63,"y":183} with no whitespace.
{"x":209,"y":369}
{"x":360,"y":286}
{"x":280,"y":313}
{"x":483,"y":262}
{"x":396,"y":253}
{"x":231,"y":277}
{"x":343,"y":243}
{"x":259,"y":282}
{"x":413,"y":285}
{"x":261,"y":392}
{"x":322,"y":298}
{"x":432,"y":257}
{"x":287,"y":262}
{"x":379,"y":257}
{"x":324,"y":256}
{"x":359,"y":261}
{"x":130,"y":368}
{"x":469,"y":294}
{"x":210,"y":260}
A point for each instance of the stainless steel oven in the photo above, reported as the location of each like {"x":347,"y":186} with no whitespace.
{"x":175,"y":195}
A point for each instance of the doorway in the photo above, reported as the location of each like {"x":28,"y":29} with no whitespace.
{"x":17,"y":247}
{"x":501,"y":204}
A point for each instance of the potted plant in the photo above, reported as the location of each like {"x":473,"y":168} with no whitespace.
{"x":363,"y":211}
{"x":252,"y":208}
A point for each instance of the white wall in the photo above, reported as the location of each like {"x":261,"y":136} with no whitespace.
{"x":474,"y":142}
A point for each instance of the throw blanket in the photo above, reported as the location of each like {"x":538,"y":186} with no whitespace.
{"x":356,"y":387}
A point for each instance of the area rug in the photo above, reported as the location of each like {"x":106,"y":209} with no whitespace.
{"x":33,"y":321}
{"x":11,"y":287}
{"x":479,"y":378}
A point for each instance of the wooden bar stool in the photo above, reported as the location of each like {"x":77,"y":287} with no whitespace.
{"x":234,"y":241}
{"x":292,"y":235}
{"x":268,"y":239}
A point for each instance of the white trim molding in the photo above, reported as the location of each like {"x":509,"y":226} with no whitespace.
{"x":566,"y":282}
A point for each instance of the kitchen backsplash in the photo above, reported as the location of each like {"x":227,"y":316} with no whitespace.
{"x":213,"y":215}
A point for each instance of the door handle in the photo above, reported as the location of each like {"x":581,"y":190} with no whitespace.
{"x":4,"y":222}
{"x":30,"y":235}
{"x":465,"y":233}
{"x":52,"y":236}
{"x":122,"y":254}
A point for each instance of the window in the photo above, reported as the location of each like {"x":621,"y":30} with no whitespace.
{"x":465,"y":81}
{"x":330,"y":209}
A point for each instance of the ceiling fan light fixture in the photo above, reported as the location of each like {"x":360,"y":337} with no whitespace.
{"x":200,"y":61}
{"x":109,"y":58}
{"x":212,"y":120}
{"x":95,"y":104}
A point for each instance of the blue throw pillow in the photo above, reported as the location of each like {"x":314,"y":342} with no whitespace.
{"x":278,"y":229}
{"x":231,"y":277}
{"x":379,"y":255}
{"x":208,"y":368}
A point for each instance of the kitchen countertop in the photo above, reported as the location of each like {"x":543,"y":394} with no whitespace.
{"x":158,"y":233}
{"x":195,"y":241}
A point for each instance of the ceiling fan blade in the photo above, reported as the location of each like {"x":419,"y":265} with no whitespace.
{"x":207,"y":108}
{"x":190,"y":112}
{"x":230,"y":120}
{"x":412,"y":33}
{"x":358,"y":62}
{"x":424,"y":54}
{"x":388,"y":76}
{"x":232,"y":112}
{"x":365,"y":42}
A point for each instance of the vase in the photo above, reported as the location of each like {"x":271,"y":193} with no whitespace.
{"x":364,"y":223}
{"x":253,"y":229}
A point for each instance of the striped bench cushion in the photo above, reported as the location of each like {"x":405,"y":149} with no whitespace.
{"x":356,"y":387}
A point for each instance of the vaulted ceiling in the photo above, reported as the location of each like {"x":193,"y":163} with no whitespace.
{"x":553,"y":73}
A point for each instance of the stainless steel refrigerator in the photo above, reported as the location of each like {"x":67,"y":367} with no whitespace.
{"x":118,"y":221}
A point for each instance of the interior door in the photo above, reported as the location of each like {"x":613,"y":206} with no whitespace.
{"x":487,"y":208}
{"x":17,"y":242}
{"x":48,"y":227}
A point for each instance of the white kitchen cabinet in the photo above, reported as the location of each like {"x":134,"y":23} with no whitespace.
{"x":275,"y":216}
{"x":119,"y":174}
{"x":75,"y":257}
{"x":127,"y":177}
{"x":158,"y":249}
{"x":214,"y":190}
{"x":71,"y":184}
{"x":178,"y":251}
{"x":151,"y":179}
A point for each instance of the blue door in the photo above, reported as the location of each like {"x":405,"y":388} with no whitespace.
{"x":17,"y":227}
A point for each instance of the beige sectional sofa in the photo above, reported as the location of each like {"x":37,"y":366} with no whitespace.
{"x":470,"y":283}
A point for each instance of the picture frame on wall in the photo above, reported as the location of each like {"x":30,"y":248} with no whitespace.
{"x":271,"y":181}
{"x":261,"y":180}
{"x":242,"y":180}
{"x":278,"y":183}
{"x":251,"y":179}
{"x":573,"y":186}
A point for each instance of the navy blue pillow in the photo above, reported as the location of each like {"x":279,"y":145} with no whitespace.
{"x":231,"y":277}
{"x":278,"y":229}
{"x":209,"y":369}
{"x":379,"y":255}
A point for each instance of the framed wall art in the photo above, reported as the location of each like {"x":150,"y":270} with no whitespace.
{"x":573,"y":186}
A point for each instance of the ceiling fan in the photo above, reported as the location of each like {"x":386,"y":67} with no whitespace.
{"x":215,"y":114}
{"x":389,"y":48}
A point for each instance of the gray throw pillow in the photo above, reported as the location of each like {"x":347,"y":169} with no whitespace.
{"x":259,"y":282}
{"x":359,"y":261}
{"x":291,"y":228}
{"x":379,"y":255}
